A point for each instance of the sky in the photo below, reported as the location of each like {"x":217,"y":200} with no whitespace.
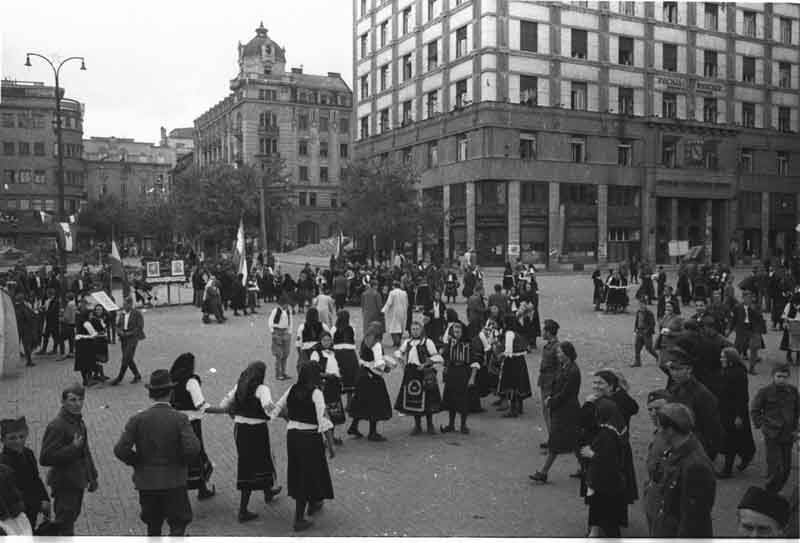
{"x":156,"y":63}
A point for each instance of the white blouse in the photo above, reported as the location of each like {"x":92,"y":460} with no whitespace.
{"x":319,"y":406}
{"x":264,"y":396}
{"x":331,"y":365}
{"x":198,"y":400}
{"x":408,"y":351}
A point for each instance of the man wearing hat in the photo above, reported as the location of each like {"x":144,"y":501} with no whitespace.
{"x":159,"y":444}
{"x":686,"y":488}
{"x":748,"y":323}
{"x":687,"y":390}
{"x":656,"y":452}
{"x":762,"y":514}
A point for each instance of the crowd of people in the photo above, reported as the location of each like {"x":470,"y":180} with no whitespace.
{"x":449,"y":366}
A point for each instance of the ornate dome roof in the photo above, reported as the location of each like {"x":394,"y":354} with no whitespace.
{"x":253,"y":47}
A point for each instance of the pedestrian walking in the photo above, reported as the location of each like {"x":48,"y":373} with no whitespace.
{"x":326,"y":307}
{"x":644,"y":326}
{"x":26,"y":326}
{"x":371,"y":304}
{"x":548,"y":368}
{"x":308,"y":336}
{"x":159,"y":444}
{"x":344,"y":345}
{"x":131,"y":331}
{"x":395,"y":311}
{"x":65,"y":450}
{"x":734,"y":403}
{"x":749,"y":325}
{"x":790,"y":318}
{"x":280,"y":326}
{"x":371,"y":399}
{"x":656,"y":455}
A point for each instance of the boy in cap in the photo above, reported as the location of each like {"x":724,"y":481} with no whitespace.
{"x":776,"y":410}
{"x":762,"y":514}
{"x":17,"y":456}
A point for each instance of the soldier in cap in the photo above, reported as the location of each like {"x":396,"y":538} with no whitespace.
{"x":762,"y":514}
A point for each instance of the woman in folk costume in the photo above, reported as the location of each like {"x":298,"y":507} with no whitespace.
{"x":791,"y":313}
{"x":515,"y":383}
{"x":249,"y":402}
{"x":99,"y":320}
{"x":451,"y":286}
{"x":371,"y":399}
{"x":325,"y":357}
{"x":435,"y":318}
{"x":308,"y":335}
{"x":308,"y":475}
{"x":87,"y":337}
{"x":482,"y":352}
{"x":423,"y":295}
{"x":187,"y":397}
{"x":419,"y":392}
{"x":459,"y":375}
{"x":344,"y":345}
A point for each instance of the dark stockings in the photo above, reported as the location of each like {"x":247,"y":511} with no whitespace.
{"x":428,"y":421}
{"x":244,"y":502}
{"x":299,"y":510}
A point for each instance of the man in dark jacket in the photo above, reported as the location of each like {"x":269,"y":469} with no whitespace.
{"x":476,"y":312}
{"x":500,"y":300}
{"x":548,"y":369}
{"x":51,"y":310}
{"x":686,"y":489}
{"x":131,"y":330}
{"x":339,"y":290}
{"x":159,"y":444}
{"x":644,"y":326}
{"x":65,"y":449}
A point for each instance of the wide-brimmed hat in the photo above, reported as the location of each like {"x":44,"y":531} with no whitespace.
{"x":160,"y":380}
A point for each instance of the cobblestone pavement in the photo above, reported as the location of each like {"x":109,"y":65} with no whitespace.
{"x":443,"y":485}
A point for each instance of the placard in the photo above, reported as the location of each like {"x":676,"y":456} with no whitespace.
{"x":683,"y":247}
{"x":177,"y":268}
{"x":103,"y":299}
{"x":153,"y":269}
{"x":673,"y":249}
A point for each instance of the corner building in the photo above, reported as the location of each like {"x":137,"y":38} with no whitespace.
{"x":302,"y":118}
{"x":574,"y":133}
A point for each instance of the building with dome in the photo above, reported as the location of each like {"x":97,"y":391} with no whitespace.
{"x":302,"y":118}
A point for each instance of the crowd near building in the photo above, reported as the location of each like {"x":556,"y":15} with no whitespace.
{"x":588,"y":132}
{"x":300,"y":119}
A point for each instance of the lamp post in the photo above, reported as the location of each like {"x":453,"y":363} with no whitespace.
{"x":62,"y":215}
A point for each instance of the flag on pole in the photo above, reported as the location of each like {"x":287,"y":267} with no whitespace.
{"x":239,"y":256}
{"x":66,"y":236}
{"x":339,"y":244}
{"x":116,"y":262}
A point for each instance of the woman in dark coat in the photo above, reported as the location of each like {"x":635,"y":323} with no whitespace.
{"x":565,"y":410}
{"x":734,"y":402}
{"x":344,"y":345}
{"x":508,"y":278}
{"x":684,"y":289}
{"x":435,"y":314}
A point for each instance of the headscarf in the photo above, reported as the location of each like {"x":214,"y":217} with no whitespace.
{"x":308,"y":379}
{"x":182,"y":369}
{"x":249,"y":380}
{"x":569,"y":350}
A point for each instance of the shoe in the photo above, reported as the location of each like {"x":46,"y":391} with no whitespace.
{"x":636,"y":365}
{"x":114,"y":382}
{"x":247,"y":516}
{"x":302,"y":525}
{"x":538,"y":477}
{"x":416,"y":431}
{"x":354,"y":432}
{"x":544,"y":446}
{"x":497,"y":402}
{"x":104,"y":378}
{"x":503,"y":408}
{"x":41,"y":352}
{"x":137,"y":379}
{"x":206,"y":493}
{"x":464,"y":430}
{"x":375,"y":437}
{"x":270,"y":494}
{"x":286,"y":377}
{"x":30,"y":364}
{"x":315,"y":507}
{"x":447,"y":429}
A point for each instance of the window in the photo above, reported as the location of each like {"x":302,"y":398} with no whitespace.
{"x":578,"y":147}
{"x":625,"y":101}
{"x":312,"y":199}
{"x":267,"y":119}
{"x":363,"y":40}
{"x":629,"y":8}
{"x":669,"y":106}
{"x":38,"y":120}
{"x":25,"y":176}
{"x":623,"y":196}
{"x":364,"y":87}
{"x":405,"y":155}
{"x":24,"y":120}
{"x":364,"y":126}
{"x":786,"y":30}
{"x":301,"y":199}
{"x":25,"y":148}
{"x":433,"y":55}
{"x":334,"y":202}
{"x":8,"y":120}
{"x":303,"y":173}
{"x":433,"y":154}
{"x":268,"y":146}
{"x":323,"y":149}
{"x":748,"y":115}
{"x":578,"y":96}
{"x":748,"y":69}
{"x":784,"y":75}
{"x":461,"y":93}
{"x":40,"y":177}
{"x":384,"y":120}
{"x":461,"y":147}
{"x":668,"y":154}
{"x":461,"y":42}
{"x":711,"y":16}
{"x":710,"y":110}
{"x":324,"y":126}
{"x":624,"y":155}
{"x":669,"y":57}
{"x":8,"y":148}
{"x":782,"y":163}
{"x":24,"y":204}
{"x":407,"y":118}
{"x":529,"y":36}
{"x":746,"y":160}
{"x":528,"y":90}
{"x":384,"y":32}
{"x":749,"y":26}
{"x":323,"y":174}
{"x":710,"y":63}
{"x":710,"y":161}
{"x":432,"y":9}
{"x":407,"y":67}
{"x":578,"y":43}
{"x":406,"y":20}
{"x":432,"y":103}
{"x":527,"y":146}
{"x":671,"y":12}
{"x":384,"y":77}
{"x":784,"y":120}
{"x":9,"y":177}
{"x":343,"y":150}
{"x":344,"y":125}
{"x":626,"y":51}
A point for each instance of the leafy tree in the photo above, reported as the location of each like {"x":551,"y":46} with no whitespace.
{"x":384,"y":199}
{"x":105,"y":215}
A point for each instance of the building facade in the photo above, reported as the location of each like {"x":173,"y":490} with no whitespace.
{"x":588,"y":132}
{"x":304,"y":119}
{"x":29,"y":163}
{"x":180,"y":139}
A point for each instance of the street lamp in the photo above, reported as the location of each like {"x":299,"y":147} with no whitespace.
{"x":62,"y":215}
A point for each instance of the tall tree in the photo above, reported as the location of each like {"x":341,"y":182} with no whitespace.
{"x":105,"y":215}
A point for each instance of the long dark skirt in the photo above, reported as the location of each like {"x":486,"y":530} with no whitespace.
{"x":308,"y":475}
{"x":348,"y":367}
{"x":255,"y":469}
{"x":456,"y":392}
{"x":739,"y":441}
{"x":418,"y":395}
{"x":609,"y":512}
{"x":631,"y":487}
{"x":514,"y":377}
{"x":371,"y":399}
{"x":200,"y":469}
{"x":84,"y":355}
{"x":423,"y":295}
{"x":332,"y":391}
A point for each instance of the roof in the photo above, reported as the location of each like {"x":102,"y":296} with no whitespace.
{"x":253,"y":47}
{"x":320,"y":82}
{"x":182,"y":133}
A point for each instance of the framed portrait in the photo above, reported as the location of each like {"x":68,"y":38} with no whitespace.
{"x":177,"y":268}
{"x":153,"y":269}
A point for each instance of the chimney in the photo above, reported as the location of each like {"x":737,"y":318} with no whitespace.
{"x":297,"y":70}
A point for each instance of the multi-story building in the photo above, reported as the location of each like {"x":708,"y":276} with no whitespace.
{"x":304,"y":119}
{"x":588,"y":132}
{"x":180,"y":139}
{"x":29,"y":164}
